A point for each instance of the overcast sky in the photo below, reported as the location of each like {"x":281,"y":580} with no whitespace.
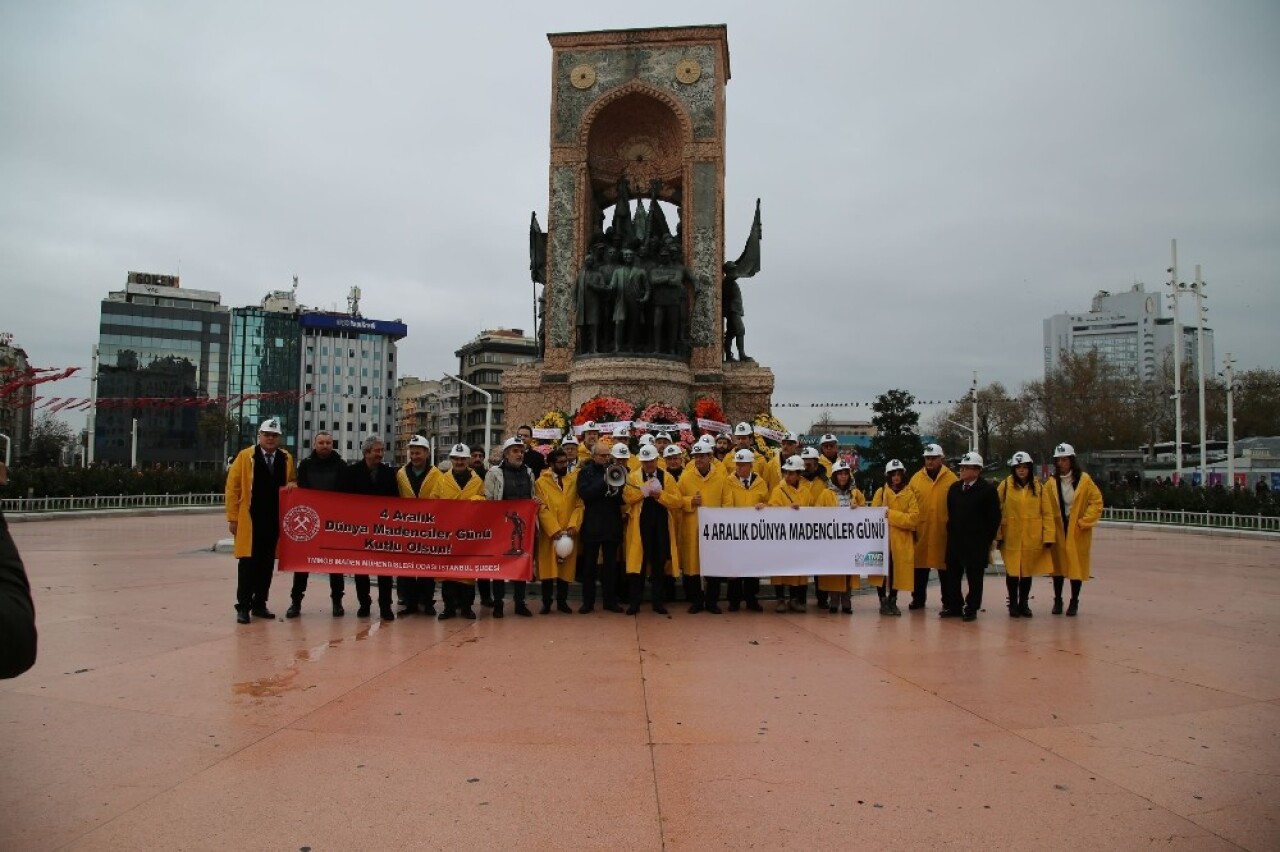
{"x":947,"y":173}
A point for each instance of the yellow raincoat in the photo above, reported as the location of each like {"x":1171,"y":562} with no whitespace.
{"x":903,"y":517}
{"x":711,"y":487}
{"x":561,"y":508}
{"x":785,"y":495}
{"x":425,"y":490}
{"x":1026,"y":526}
{"x":239,"y":490}
{"x":632,"y":498}
{"x":1071,"y":552}
{"x":842,"y":582}
{"x":931,"y":533}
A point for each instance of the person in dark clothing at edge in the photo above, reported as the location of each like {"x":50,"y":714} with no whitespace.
{"x":601,"y":533}
{"x":510,"y":480}
{"x":533,"y":459}
{"x":371,"y":476}
{"x":973,"y":520}
{"x":321,"y":471}
{"x":17,"y":611}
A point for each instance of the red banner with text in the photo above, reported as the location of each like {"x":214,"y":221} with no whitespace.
{"x":328,"y":532}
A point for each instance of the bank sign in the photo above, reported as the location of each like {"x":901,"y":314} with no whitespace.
{"x":349,"y":323}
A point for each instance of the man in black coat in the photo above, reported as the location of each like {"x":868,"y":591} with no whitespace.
{"x":321,"y":470}
{"x":601,"y":533}
{"x":371,"y":476}
{"x":973,"y":520}
{"x":17,"y":612}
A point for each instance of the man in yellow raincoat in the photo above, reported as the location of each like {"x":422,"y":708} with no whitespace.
{"x":700,"y":484}
{"x":254,"y":481}
{"x":559,"y":516}
{"x":931,"y":485}
{"x":460,"y":483}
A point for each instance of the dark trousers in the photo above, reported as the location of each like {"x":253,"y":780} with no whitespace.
{"x":299,"y":590}
{"x":416,"y":591}
{"x":972,"y":567}
{"x":598,"y":558}
{"x":253,"y":574}
{"x":362,"y":590}
{"x":711,"y":592}
{"x":485,"y":587}
{"x":557,"y":588}
{"x":1019,"y":589}
{"x":742,"y":588}
{"x":519,"y":590}
{"x":920,"y":590}
{"x":1059,"y":582}
{"x":457,"y":595}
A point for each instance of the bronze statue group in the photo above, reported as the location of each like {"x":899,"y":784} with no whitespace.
{"x":617,"y":514}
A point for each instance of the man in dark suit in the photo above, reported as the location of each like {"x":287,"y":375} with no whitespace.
{"x":973,"y":520}
{"x":371,"y":476}
{"x":601,"y":533}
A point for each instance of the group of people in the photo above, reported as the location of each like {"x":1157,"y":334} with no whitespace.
{"x":616,"y":521}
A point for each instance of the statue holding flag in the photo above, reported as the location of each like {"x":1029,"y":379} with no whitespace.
{"x":747,"y":265}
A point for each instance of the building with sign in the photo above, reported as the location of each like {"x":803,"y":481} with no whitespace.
{"x":1128,"y":330}
{"x":264,"y":378}
{"x":348,"y":379}
{"x":482,"y":362}
{"x":162,"y":351}
{"x":15,"y":408}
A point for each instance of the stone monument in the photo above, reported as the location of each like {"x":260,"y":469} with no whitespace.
{"x":633,"y":307}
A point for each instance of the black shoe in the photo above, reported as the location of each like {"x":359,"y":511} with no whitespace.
{"x":447,"y":614}
{"x":242,"y":618}
{"x":545,"y":609}
{"x":734,"y":606}
{"x":754,"y":606}
{"x":293,"y":611}
{"x":660,"y":609}
{"x":262,"y":612}
{"x":695,"y":608}
{"x":587,"y":609}
{"x":497,"y":609}
{"x":1014,"y":612}
{"x":563,"y":606}
{"x":615,"y":608}
{"x":429,"y":609}
{"x":1057,"y":606}
{"x":486,"y":602}
{"x":714,"y":609}
{"x":385,"y":613}
{"x":1073,"y":607}
{"x":363,"y":611}
{"x":523,"y":610}
{"x":884,"y":607}
{"x":950,"y":613}
{"x":633,"y":610}
{"x":893,"y":609}
{"x":916,"y":605}
{"x":1024,"y":611}
{"x":969,"y":616}
{"x":468,"y":613}
{"x":338,"y":611}
{"x":408,"y":610}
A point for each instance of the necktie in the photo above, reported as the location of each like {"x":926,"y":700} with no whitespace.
{"x":271,"y":457}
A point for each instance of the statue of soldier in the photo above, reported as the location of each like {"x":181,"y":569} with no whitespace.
{"x":607,"y":263}
{"x":731,"y":307}
{"x":589,"y":291}
{"x":630,"y":286}
{"x":666,"y":282}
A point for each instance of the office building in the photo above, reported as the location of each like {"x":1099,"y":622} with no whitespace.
{"x":414,"y":398}
{"x":264,"y":378}
{"x":348,"y":378}
{"x":1129,"y":331}
{"x":15,"y":408}
{"x":162,"y":349}
{"x":482,"y":363}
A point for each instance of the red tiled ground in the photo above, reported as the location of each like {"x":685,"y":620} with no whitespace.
{"x":153,"y":721}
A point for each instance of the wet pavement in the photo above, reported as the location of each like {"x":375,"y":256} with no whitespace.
{"x":152,"y":720}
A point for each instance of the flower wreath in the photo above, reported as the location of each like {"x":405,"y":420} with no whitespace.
{"x":553,"y":419}
{"x":708,"y":409}
{"x":768,"y":421}
{"x":661,"y":413}
{"x":605,"y":409}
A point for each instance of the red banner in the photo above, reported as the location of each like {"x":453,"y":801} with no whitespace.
{"x":334,"y":533}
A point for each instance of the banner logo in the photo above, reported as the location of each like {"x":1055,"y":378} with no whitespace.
{"x":301,"y":523}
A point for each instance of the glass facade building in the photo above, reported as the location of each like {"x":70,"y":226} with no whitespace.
{"x":264,"y":360}
{"x":161,"y":349}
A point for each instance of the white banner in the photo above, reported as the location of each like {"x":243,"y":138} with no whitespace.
{"x":713,"y":425}
{"x":792,"y":542}
{"x":547,"y":434}
{"x":672,"y":428}
{"x":771,"y":434}
{"x":606,"y":428}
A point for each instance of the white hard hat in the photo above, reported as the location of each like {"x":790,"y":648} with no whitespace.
{"x":646,"y":439}
{"x":1063,"y":451}
{"x":705,"y":439}
{"x":793,"y":464}
{"x":621,"y":432}
{"x":1020,"y":458}
{"x":272,"y":425}
{"x":893,"y":465}
{"x":664,"y":436}
{"x":971,"y":460}
{"x":648,"y":452}
{"x":839,"y":466}
{"x":513,"y":441}
{"x":743,"y":428}
{"x":420,"y":441}
{"x":620,"y":451}
{"x":673,"y":450}
{"x":700,"y":448}
{"x":810,"y":453}
{"x":744,"y":457}
{"x":590,"y":426}
{"x":460,"y":451}
{"x":828,"y":439}
{"x":790,"y":438}
{"x":563,"y":546}
{"x":569,"y":439}
{"x":933,"y":450}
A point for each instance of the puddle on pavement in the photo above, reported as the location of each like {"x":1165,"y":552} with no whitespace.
{"x":277,"y":685}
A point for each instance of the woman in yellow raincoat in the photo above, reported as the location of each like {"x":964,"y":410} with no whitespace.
{"x":1026,"y":532}
{"x":846,"y":495}
{"x":1076,"y":503}
{"x":903,"y":517}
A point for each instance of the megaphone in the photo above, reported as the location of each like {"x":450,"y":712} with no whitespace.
{"x":615,"y":476}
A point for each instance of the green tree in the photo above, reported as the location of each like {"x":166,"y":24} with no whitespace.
{"x":49,"y":437}
{"x":1257,"y":403}
{"x":897,"y":435}
{"x":215,"y":426}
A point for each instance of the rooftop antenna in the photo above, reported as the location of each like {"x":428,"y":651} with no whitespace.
{"x":295,"y":285}
{"x":353,"y":301}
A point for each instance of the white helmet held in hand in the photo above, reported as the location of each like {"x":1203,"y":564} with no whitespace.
{"x":563,"y":546}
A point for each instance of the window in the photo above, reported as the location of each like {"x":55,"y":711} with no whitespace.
{"x":363,"y":408}
{"x":306,"y":424}
{"x":364,"y":390}
{"x":324,"y":406}
{"x":351,"y":353}
{"x":350,"y":408}
{"x":322,"y":426}
{"x":306,"y":406}
{"x":348,"y":445}
{"x":308,"y":369}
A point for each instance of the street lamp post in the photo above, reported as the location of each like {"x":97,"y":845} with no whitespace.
{"x":1177,"y":366}
{"x":1198,"y":289}
{"x":488,"y":409}
{"x":1228,"y":373}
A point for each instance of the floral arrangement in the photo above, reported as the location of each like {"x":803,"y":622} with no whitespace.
{"x":551,"y":420}
{"x":604,"y":409}
{"x":659,"y":412}
{"x":768,"y":421}
{"x":708,"y":409}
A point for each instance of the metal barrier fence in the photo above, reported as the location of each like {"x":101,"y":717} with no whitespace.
{"x":111,"y":501}
{"x":1255,"y":523}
